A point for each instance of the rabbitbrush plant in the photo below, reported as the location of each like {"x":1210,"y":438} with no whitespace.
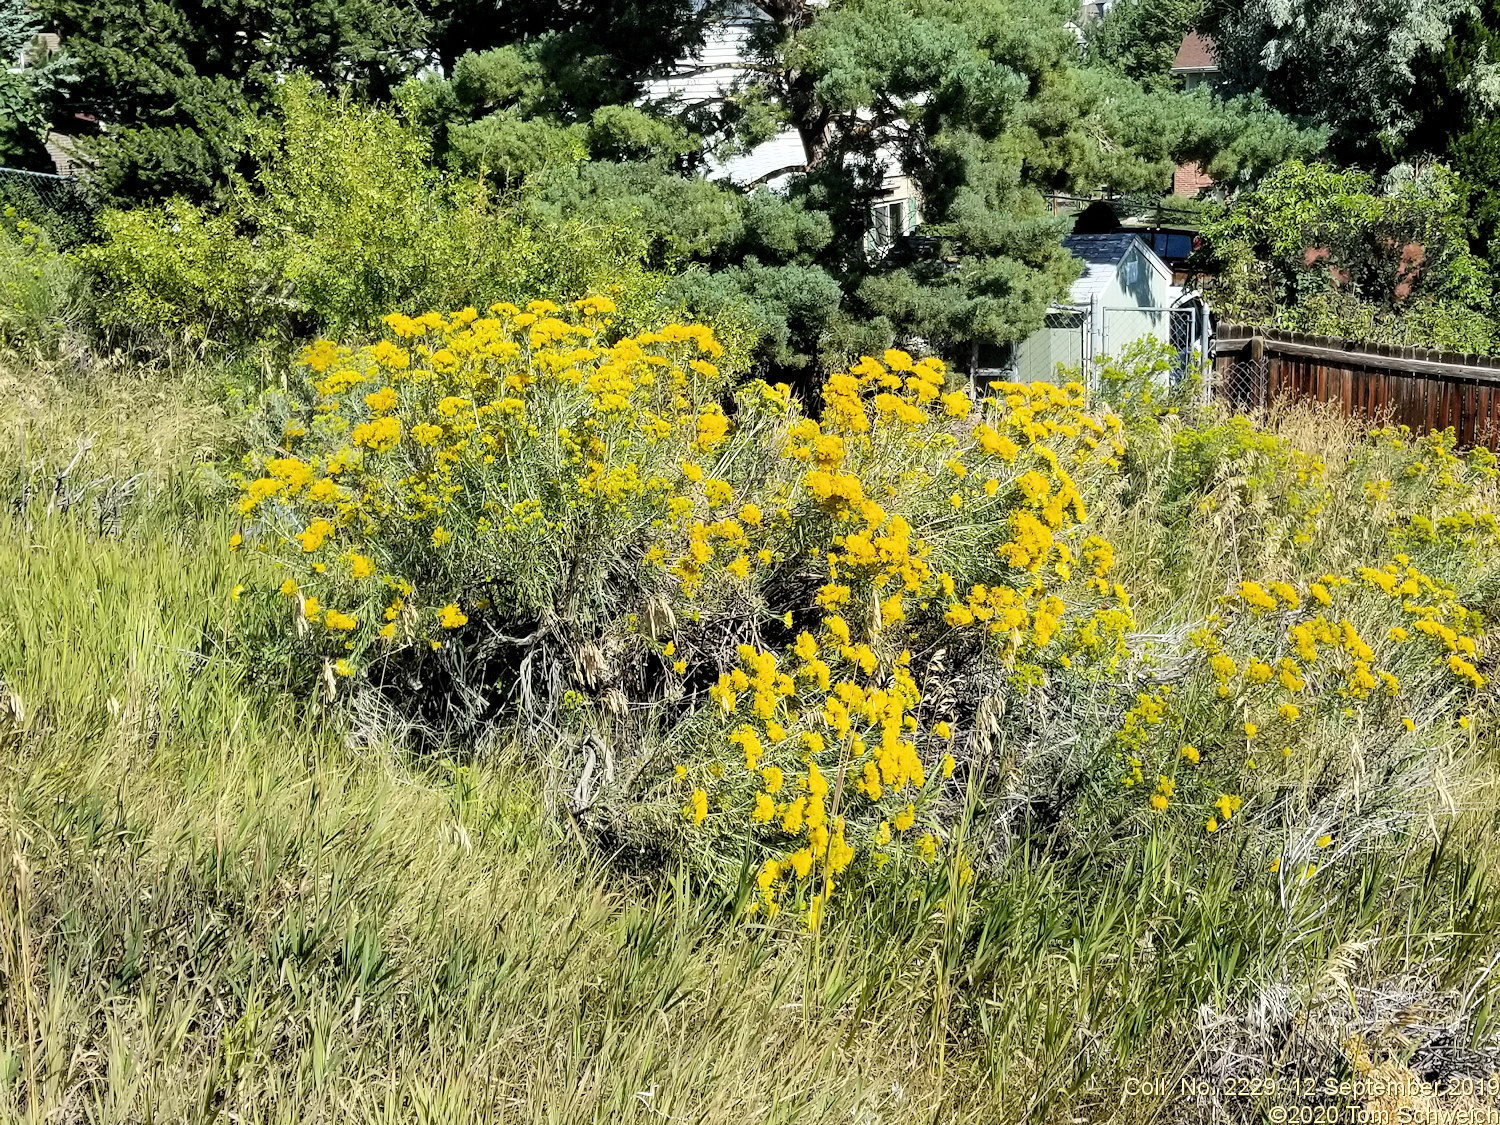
{"x":218,"y":901}
{"x":840,"y":632}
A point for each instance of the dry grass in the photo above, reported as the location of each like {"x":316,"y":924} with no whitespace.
{"x":217,"y":906}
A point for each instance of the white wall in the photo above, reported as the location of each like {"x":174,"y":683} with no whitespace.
{"x":711,"y":76}
{"x":1136,"y":285}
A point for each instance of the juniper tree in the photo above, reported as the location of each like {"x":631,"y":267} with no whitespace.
{"x":177,"y":81}
{"x":32,"y":82}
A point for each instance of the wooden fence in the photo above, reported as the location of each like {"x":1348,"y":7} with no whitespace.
{"x":1426,"y":390}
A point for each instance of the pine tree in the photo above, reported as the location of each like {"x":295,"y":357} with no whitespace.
{"x":986,"y":105}
{"x":176,"y":80}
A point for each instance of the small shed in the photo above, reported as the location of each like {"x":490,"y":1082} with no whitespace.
{"x":1125,"y":292}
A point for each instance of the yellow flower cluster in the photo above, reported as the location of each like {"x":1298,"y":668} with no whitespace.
{"x":866,"y":490}
{"x":521,"y":465}
{"x":1361,"y":640}
{"x":425,"y":439}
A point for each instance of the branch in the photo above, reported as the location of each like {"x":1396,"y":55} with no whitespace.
{"x":694,"y":71}
{"x":868,"y":128}
{"x":771,"y":175}
{"x":702,"y":103}
{"x":784,"y":13}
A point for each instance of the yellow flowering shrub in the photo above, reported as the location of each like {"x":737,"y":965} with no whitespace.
{"x":836,"y":626}
{"x":657,"y":534}
{"x":470,"y":461}
{"x":1291,"y":509}
{"x":1335,"y":677}
{"x":1278,"y":682}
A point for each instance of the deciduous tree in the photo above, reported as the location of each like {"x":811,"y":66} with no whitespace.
{"x":1349,"y":64}
{"x":1140,"y":38}
{"x":1458,"y":116}
{"x":1335,"y":252}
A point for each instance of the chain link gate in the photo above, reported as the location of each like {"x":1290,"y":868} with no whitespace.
{"x":1185,"y":335}
{"x":1182,"y":327}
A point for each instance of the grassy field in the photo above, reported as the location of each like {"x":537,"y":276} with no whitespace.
{"x":219,"y":906}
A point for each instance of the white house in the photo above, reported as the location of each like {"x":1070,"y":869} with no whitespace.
{"x":1125,"y":291}
{"x":711,"y":76}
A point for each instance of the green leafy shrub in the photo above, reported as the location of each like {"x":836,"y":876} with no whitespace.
{"x":1330,"y":252}
{"x":38,"y":285}
{"x":1146,"y":378}
{"x":343,"y":221}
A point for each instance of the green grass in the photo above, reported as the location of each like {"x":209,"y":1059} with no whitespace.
{"x":218,"y":905}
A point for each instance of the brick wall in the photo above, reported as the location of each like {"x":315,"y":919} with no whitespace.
{"x":1189,"y":180}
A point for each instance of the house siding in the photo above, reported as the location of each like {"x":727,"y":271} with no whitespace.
{"x":710,"y":77}
{"x":1133,"y":309}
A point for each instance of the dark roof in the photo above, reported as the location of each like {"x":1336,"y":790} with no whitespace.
{"x":1099,"y":217}
{"x":1099,"y":249}
{"x":1196,"y":53}
{"x":1102,"y":255}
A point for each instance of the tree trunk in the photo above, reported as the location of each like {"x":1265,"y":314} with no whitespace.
{"x":812,"y":127}
{"x":812,"y":121}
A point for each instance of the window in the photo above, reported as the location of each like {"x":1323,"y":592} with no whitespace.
{"x":889,"y":222}
{"x":1172,"y":244}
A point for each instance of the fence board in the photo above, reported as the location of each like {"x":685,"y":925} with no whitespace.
{"x":1425,"y":390}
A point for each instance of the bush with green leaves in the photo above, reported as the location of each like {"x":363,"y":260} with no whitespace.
{"x":1328,"y":251}
{"x":1148,"y":377}
{"x":39,"y":286}
{"x":342,"y":221}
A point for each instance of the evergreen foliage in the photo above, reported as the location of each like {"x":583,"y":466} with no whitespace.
{"x":1140,"y":38}
{"x":983,"y":107}
{"x":178,"y":81}
{"x":32,"y":82}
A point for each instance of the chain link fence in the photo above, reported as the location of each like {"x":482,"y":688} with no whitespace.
{"x":1184,"y":333}
{"x":1244,"y":385}
{"x":60,"y":204}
